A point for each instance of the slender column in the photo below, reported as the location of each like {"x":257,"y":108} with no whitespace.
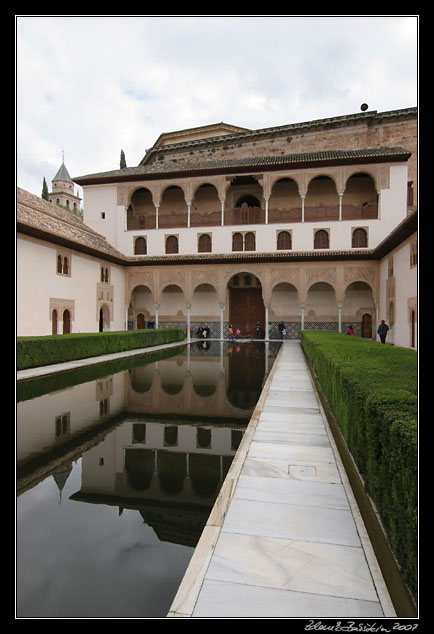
{"x":340,"y":205}
{"x":302,"y":207}
{"x":188,"y":214}
{"x":223,"y":213}
{"x":156,"y":216}
{"x":266,"y":210}
{"x":156,"y":306}
{"x":302,"y":316}
{"x":126,"y":316}
{"x":222,"y":307}
{"x":376,"y":320}
{"x":188,"y":321}
{"x":267,"y":325}
{"x":339,"y":317}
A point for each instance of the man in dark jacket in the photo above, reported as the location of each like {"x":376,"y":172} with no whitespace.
{"x":382,"y":331}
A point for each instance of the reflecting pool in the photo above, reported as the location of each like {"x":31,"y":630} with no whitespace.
{"x":118,"y":468}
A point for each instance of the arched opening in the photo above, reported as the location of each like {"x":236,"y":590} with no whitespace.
{"x":205,"y":309}
{"x":322,"y":200}
{"x":141,"y":210}
{"x":141,"y":303}
{"x":360,"y":199}
{"x":54,"y":322}
{"x":367,"y":326}
{"x":321,"y":239}
{"x":359,"y":239}
{"x":243,"y":201}
{"x":284,"y":241}
{"x":140,"y":321}
{"x":206,"y":207}
{"x":66,"y":322}
{"x":104,"y":318}
{"x":173,"y":208}
{"x":358,"y":309}
{"x":204,"y":243}
{"x":140,"y":246}
{"x":172,"y":244}
{"x":321,"y":309}
{"x":285,"y":311}
{"x":246,"y":306}
{"x":172,"y":306}
{"x":285,"y":202}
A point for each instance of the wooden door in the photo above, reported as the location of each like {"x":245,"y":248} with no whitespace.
{"x":367,"y":326}
{"x":246,"y":308}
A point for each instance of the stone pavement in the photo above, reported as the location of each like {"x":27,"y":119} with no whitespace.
{"x":285,"y":538}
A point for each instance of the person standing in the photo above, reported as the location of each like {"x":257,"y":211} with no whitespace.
{"x":383,"y":329}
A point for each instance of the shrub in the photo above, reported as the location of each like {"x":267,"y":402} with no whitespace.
{"x":33,"y":352}
{"x":372,"y":391}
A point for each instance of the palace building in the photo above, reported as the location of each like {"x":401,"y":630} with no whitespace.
{"x":310,"y":225}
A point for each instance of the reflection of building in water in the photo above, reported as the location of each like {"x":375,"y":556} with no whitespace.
{"x":158,"y":438}
{"x":219,"y":384}
{"x":171,"y":473}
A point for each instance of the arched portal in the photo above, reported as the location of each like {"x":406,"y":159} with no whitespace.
{"x":321,"y":309}
{"x":66,"y":322}
{"x":358,"y":308}
{"x":104,"y":318}
{"x":141,"y":308}
{"x":285,"y":311}
{"x":54,"y":322}
{"x":246,"y":306}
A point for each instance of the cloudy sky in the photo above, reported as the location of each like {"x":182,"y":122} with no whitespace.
{"x":92,"y":85}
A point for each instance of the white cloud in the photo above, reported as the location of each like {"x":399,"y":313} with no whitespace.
{"x":96,"y":85}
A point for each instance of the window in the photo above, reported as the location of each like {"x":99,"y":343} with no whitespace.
{"x":284,"y":241}
{"x":204,"y":244}
{"x":249,"y":241}
{"x":140,"y":247}
{"x":237,"y":242}
{"x":321,"y":240}
{"x":243,"y":242}
{"x":172,"y":244}
{"x":359,"y":238}
{"x":63,"y":264}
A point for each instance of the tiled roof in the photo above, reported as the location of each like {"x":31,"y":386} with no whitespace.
{"x":48,"y":221}
{"x":62,"y":174}
{"x":330,"y":157}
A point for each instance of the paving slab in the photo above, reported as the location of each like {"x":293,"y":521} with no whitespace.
{"x":285,"y":538}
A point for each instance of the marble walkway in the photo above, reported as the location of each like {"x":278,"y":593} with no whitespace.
{"x":285,"y":538}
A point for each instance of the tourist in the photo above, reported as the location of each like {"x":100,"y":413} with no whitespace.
{"x":350,"y":330}
{"x":282,"y":330}
{"x":231,"y":333}
{"x":382,"y":331}
{"x":258,"y":330}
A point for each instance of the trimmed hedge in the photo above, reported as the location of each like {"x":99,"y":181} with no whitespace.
{"x":32,"y":352}
{"x":372,"y":391}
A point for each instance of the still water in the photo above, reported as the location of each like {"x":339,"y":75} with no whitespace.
{"x":118,"y":468}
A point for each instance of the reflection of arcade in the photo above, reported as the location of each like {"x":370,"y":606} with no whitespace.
{"x":170,"y":473}
{"x":246,"y":374}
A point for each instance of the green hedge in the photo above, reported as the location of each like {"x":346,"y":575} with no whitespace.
{"x":372,"y":391}
{"x":32,"y":352}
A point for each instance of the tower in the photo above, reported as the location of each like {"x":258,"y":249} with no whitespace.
{"x":62,"y":192}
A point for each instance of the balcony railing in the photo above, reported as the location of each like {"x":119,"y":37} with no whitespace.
{"x":252,"y":216}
